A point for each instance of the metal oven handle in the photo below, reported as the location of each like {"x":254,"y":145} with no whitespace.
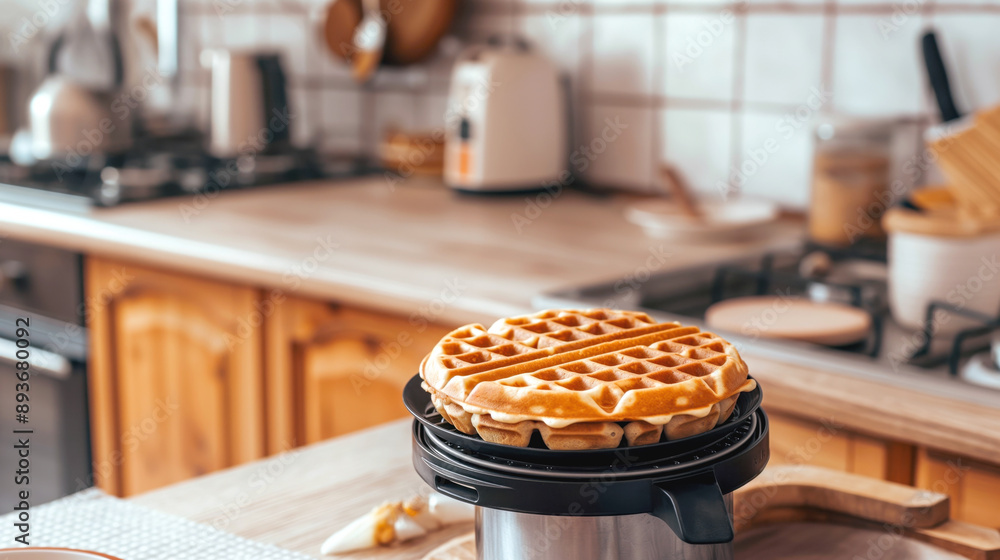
{"x":41,"y":361}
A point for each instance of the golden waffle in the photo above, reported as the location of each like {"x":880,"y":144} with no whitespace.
{"x":584,"y":379}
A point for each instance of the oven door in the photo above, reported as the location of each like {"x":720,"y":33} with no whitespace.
{"x":59,"y":453}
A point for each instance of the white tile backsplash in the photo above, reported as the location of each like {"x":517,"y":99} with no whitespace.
{"x":878,"y":68}
{"x":340,"y":110}
{"x":235,"y":30}
{"x":304,"y":105}
{"x":699,"y":56}
{"x":322,"y":62}
{"x":697,"y":142}
{"x":775,"y":160}
{"x":692,"y":84}
{"x":783,"y":56}
{"x":287,"y":33}
{"x":557,"y":36}
{"x":625,"y":44}
{"x":616,"y":150}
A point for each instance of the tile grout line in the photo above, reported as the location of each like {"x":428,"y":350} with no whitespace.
{"x":737,"y":103}
{"x":827,"y":74}
{"x":658,"y":143}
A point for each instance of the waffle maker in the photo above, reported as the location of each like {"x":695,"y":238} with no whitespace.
{"x":663,"y":501}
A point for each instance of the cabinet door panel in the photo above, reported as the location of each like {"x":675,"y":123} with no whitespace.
{"x":798,"y":441}
{"x":348,"y":368}
{"x":175,"y":376}
{"x":174,"y":392}
{"x":795,"y":441}
{"x":974,"y":487}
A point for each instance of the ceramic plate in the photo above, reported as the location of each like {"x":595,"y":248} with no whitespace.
{"x":663,"y":219}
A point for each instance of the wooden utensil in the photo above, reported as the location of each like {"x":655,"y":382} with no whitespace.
{"x":674,"y":182}
{"x":369,"y":40}
{"x":413,"y":28}
{"x":971,"y":159}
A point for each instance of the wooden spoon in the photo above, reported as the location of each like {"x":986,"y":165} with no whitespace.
{"x":678,"y":187}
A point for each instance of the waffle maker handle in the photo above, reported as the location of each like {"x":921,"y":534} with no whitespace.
{"x":694,"y":508}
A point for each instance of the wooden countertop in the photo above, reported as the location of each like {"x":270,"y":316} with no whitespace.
{"x":297,"y":499}
{"x":372,"y":244}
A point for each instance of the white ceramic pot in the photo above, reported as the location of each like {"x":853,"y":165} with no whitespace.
{"x":964,"y":271}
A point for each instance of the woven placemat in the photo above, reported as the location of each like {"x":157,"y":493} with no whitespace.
{"x":92,"y":520}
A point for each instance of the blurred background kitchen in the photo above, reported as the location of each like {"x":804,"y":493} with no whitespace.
{"x":240,"y":224}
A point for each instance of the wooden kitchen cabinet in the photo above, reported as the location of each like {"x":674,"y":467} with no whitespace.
{"x":175,"y":376}
{"x":189,"y":375}
{"x":974,"y":487}
{"x":333,"y":369}
{"x":798,"y":441}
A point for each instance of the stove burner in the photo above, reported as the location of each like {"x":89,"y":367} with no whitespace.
{"x":987,"y":325}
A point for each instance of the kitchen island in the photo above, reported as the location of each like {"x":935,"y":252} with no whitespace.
{"x":357,"y":261}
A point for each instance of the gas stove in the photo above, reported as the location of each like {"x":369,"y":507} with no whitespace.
{"x":158,"y":169}
{"x":943,"y":364}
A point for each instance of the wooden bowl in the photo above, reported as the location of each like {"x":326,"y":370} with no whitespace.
{"x":413,"y":28}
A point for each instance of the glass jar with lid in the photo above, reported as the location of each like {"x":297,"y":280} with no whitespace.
{"x":851,"y":187}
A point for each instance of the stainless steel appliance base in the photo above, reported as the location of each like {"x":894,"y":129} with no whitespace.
{"x":502,"y":535}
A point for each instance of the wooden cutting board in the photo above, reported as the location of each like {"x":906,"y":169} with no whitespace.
{"x":789,"y":541}
{"x":799,"y":512}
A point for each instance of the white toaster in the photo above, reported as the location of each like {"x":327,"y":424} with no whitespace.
{"x":506,"y":121}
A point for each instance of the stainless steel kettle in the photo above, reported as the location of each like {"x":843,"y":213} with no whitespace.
{"x":249,"y":112}
{"x":72,"y":123}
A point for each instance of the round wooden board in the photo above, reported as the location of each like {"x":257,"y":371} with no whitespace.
{"x":832,"y":324}
{"x":458,"y":548}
